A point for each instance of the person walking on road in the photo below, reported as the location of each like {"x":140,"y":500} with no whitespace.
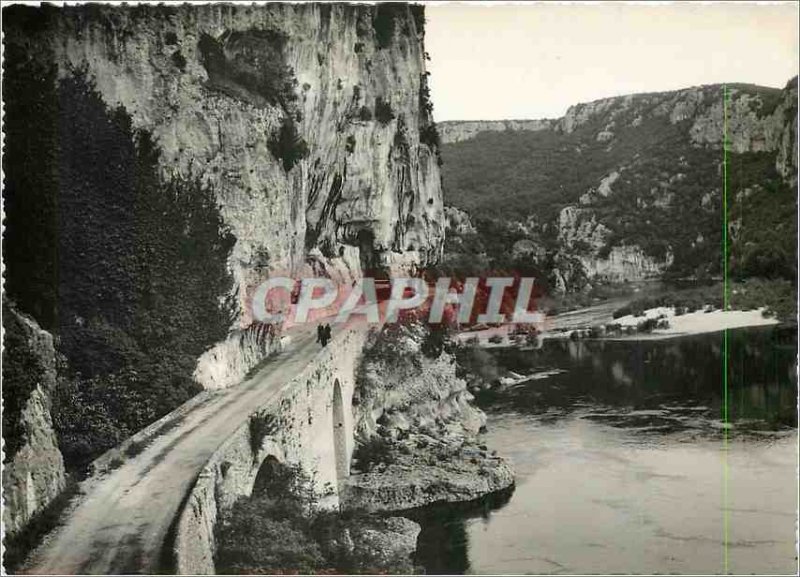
{"x":323,"y":334}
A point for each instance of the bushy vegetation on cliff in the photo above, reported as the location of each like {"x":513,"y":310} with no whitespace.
{"x":280,"y":530}
{"x":23,"y":370}
{"x":124,"y":268}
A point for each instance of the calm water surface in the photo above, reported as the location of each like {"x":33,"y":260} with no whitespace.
{"x":621,"y":464}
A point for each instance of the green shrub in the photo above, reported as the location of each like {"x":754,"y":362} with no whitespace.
{"x":430,"y":135}
{"x":384,"y":22}
{"x":261,"y":426}
{"x":383,"y":111}
{"x":287,"y":145}
{"x":135,"y":448}
{"x":374,"y":451}
{"x":23,"y":370}
{"x":252,"y":541}
{"x":179,"y":60}
{"x":364,"y":114}
{"x":279,"y":530}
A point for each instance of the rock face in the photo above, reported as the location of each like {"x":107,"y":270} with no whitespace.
{"x":786,"y":162}
{"x":431,"y":471}
{"x":33,"y":473}
{"x":627,"y":188}
{"x":457,"y":221}
{"x":416,"y":428}
{"x":456,"y":130}
{"x":331,"y":171}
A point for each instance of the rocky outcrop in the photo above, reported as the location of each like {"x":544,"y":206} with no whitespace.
{"x":457,"y":221}
{"x":458,"y":130}
{"x":425,"y":470}
{"x":310,"y":122}
{"x":401,"y":387}
{"x":33,"y":470}
{"x":786,"y":162}
{"x":416,"y":429}
{"x":584,"y":238}
{"x":611,"y":180}
{"x":228,"y":362}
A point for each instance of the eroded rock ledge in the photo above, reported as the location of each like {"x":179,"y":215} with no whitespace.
{"x":427,"y":470}
{"x":416,"y":429}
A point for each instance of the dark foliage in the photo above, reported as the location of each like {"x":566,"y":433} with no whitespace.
{"x":383,"y":111}
{"x":30,"y":164}
{"x":125,"y":269}
{"x":364,"y":114}
{"x":764,"y":207}
{"x":279,"y":531}
{"x":436,"y":340}
{"x":418,"y":14}
{"x":384,"y":22}
{"x":179,"y":60}
{"x":376,"y":450}
{"x":287,"y":145}
{"x":261,"y":426}
{"x":685,"y":300}
{"x":430,"y":135}
{"x":23,"y":370}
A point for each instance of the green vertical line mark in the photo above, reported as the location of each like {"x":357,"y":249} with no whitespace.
{"x":725,"y":307}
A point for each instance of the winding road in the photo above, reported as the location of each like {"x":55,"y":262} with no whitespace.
{"x":120,"y":521}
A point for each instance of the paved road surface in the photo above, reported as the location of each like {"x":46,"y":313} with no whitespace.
{"x":121,"y":521}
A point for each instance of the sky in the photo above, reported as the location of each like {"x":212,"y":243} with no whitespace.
{"x":534,"y":60}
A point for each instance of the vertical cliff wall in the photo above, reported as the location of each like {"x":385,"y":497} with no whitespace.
{"x":309,"y":122}
{"x":367,"y":189}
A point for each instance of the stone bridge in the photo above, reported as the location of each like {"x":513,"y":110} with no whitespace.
{"x":309,"y":422}
{"x":151,"y":504}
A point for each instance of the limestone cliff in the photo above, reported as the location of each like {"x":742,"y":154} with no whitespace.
{"x":310,"y":122}
{"x":456,"y":130}
{"x":630,"y":188}
{"x":33,"y":471}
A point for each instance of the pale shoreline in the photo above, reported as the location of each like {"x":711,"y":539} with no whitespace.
{"x":694,"y":323}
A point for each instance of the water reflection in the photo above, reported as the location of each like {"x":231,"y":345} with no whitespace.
{"x":667,"y":385}
{"x":619,"y":462}
{"x":442,"y":546}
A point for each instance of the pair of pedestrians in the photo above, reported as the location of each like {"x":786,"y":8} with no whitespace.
{"x":323,"y":334}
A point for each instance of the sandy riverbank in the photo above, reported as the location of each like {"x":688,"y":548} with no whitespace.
{"x":693,"y":323}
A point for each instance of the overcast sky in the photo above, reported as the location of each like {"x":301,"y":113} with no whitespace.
{"x":533,"y":60}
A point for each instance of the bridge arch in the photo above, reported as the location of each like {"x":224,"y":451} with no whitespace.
{"x":269,"y":472}
{"x":339,"y":434}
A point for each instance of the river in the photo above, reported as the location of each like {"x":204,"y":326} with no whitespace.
{"x":625,"y":464}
